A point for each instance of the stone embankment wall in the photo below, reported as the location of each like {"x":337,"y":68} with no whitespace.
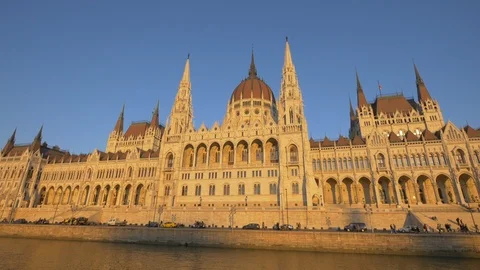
{"x":455,"y":245}
{"x":326,"y":218}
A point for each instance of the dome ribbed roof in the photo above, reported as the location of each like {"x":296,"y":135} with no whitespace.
{"x":252,"y":87}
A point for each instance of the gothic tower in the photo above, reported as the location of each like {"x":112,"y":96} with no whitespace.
{"x":365,"y":122}
{"x":293,"y":136}
{"x":428,"y":106}
{"x":153,"y":133}
{"x":116,"y":133}
{"x":181,"y":116}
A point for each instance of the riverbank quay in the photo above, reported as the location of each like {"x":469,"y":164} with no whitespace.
{"x":433,"y":244}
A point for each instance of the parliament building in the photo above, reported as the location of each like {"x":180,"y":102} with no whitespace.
{"x":257,"y":165}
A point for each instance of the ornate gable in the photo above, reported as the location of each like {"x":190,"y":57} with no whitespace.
{"x":376,"y":138}
{"x":451,"y":132}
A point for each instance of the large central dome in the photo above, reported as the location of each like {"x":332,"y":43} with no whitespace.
{"x":252,"y":88}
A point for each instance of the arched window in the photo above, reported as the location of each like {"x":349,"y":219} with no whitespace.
{"x":256,"y":189}
{"x":291,"y":116}
{"x":295,"y":188}
{"x":169,"y":160}
{"x":293,"y":154}
{"x":460,"y":155}
{"x":211,"y":190}
{"x":380,"y":160}
{"x":477,"y":156}
{"x":324,"y":164}
{"x":167,"y":190}
{"x":241,"y":189}
{"x":198,"y":190}
{"x":226,"y":189}
{"x":185,"y":190}
{"x":273,"y":188}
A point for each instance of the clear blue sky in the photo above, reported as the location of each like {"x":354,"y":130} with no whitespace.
{"x":72,"y":64}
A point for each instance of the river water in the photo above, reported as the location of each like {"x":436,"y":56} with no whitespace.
{"x":16,"y":253}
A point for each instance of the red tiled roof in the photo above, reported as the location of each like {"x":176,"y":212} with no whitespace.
{"x":326,"y":142}
{"x":410,"y":136}
{"x":137,"y":129}
{"x":391,"y":104}
{"x":357,"y":140}
{"x":471,"y":132}
{"x":392,"y":137}
{"x":342,"y":141}
{"x":427,"y":135}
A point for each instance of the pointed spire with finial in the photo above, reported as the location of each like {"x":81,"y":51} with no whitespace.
{"x":186,"y":71}
{"x":352,"y":112}
{"x":422,"y":91}
{"x":10,"y":143}
{"x":361,"y":99}
{"x":155,"y":116}
{"x":119,"y":125}
{"x":252,"y":72}
{"x":37,"y":141}
{"x":288,"y":62}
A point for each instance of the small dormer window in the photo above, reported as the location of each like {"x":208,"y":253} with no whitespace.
{"x":417,"y":132}
{"x":401,"y":134}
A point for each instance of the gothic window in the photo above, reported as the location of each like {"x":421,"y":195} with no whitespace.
{"x":167,"y":190}
{"x":357,"y":165}
{"x":295,"y":188}
{"x":396,"y":161}
{"x":184,"y":190}
{"x":362,"y":165}
{"x":230,"y":156}
{"x":460,"y":155}
{"x":314,"y":165}
{"x":324,"y":164}
{"x":245,"y":155}
{"x":211,"y":190}
{"x":293,"y":154}
{"x":259,"y":154}
{"x":241,"y":189}
{"x":190,"y":160}
{"x":198,"y":190}
{"x":340,"y":166}
{"x":334,"y":164}
{"x":329,"y":164}
{"x":318,"y":164}
{"x":256,"y":189}
{"x":291,"y":116}
{"x":273,"y":188}
{"x":226,"y":189}
{"x":380,"y":161}
{"x":345,"y":164}
{"x":217,"y":156}
{"x":477,"y":156}
{"x":274,"y":154}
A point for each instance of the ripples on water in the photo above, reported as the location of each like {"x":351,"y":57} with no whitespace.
{"x":49,"y":254}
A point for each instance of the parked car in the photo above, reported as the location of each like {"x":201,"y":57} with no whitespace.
{"x":251,"y":226}
{"x":169,"y":224}
{"x":199,"y":225}
{"x":355,"y":227}
{"x":20,"y":221}
{"x":80,"y":221}
{"x":152,"y":224}
{"x":116,"y":222}
{"x":284,"y":227}
{"x":408,"y":229}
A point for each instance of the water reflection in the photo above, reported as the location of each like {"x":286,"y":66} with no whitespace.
{"x":48,"y":254}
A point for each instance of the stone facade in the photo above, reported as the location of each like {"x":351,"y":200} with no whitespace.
{"x":400,"y":154}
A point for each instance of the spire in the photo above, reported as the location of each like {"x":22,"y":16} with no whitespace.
{"x":10,"y":143}
{"x":422,"y":91}
{"x":288,"y":55}
{"x":186,"y":71}
{"x":352,"y":112}
{"x":119,"y":125}
{"x":154,"y":121}
{"x":361,"y":99}
{"x":37,"y":141}
{"x":252,"y":72}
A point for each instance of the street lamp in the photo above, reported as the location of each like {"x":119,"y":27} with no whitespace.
{"x":246,"y":200}
{"x":286,"y":203}
{"x":368,"y":210}
{"x":473,"y":220}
